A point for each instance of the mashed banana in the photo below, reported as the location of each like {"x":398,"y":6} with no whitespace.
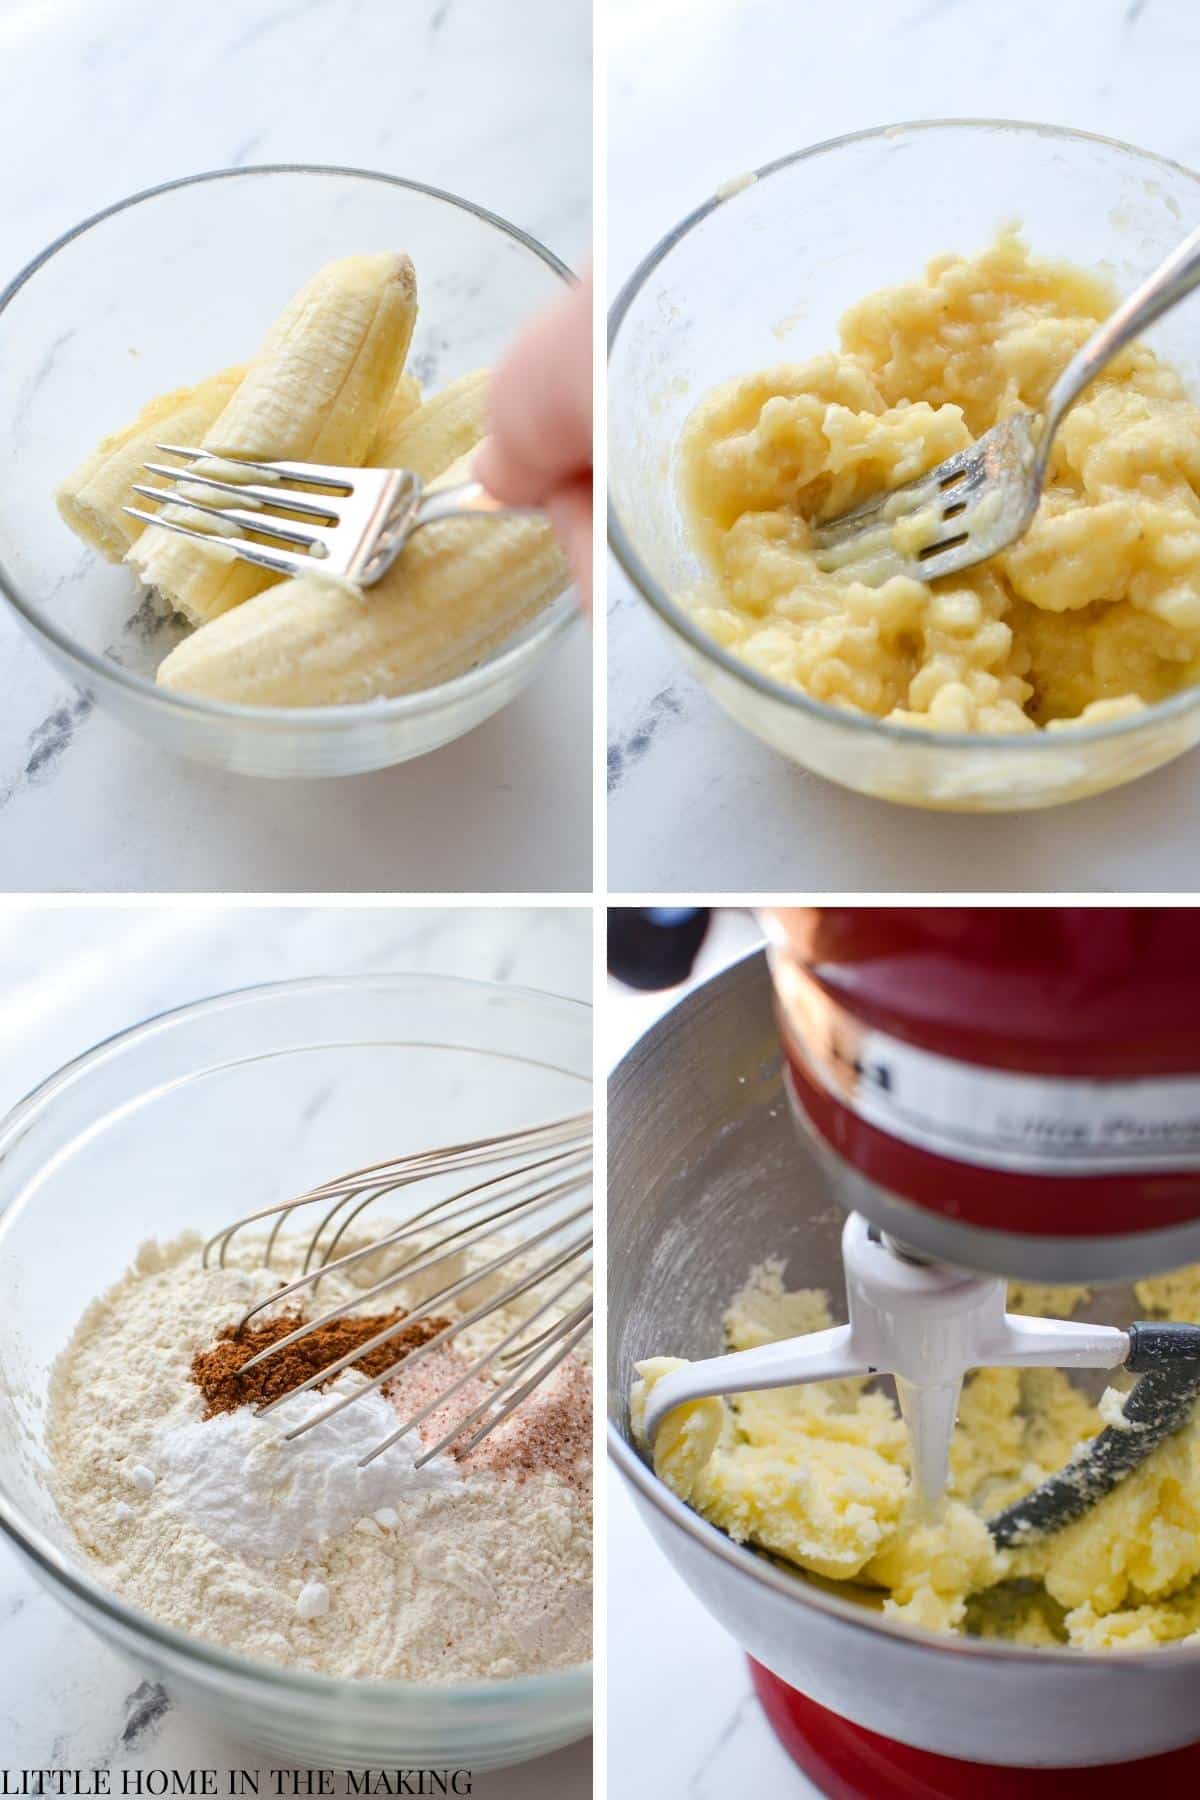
{"x":1092,"y":614}
{"x":818,"y":1475}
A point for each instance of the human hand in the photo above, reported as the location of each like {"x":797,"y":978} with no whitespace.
{"x":538,"y":450}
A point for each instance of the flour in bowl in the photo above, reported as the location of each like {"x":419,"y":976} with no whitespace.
{"x":471,"y":1568}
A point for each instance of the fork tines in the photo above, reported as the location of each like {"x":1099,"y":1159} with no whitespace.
{"x":312,"y":474}
{"x":302,"y":538}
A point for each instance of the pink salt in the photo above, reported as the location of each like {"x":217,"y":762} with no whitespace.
{"x":550,"y":1431}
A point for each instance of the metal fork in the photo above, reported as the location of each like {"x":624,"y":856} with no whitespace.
{"x":355,"y":524}
{"x":981,"y":499}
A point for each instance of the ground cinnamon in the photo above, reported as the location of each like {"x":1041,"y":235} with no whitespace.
{"x":216,"y":1372}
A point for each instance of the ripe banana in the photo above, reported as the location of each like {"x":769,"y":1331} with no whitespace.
{"x":403,"y":401}
{"x":316,"y":391}
{"x":428,"y":440}
{"x":459,"y":589}
{"x":91,"y":499}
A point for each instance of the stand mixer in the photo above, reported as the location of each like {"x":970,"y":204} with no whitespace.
{"x":988,"y":1093}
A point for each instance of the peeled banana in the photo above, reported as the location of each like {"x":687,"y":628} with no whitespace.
{"x":433,"y":436}
{"x":317,"y":391}
{"x":402,"y":402}
{"x":460,"y":587}
{"x":328,"y":385}
{"x":91,"y":500}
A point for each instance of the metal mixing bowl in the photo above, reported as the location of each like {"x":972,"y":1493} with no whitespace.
{"x":707,"y":1176}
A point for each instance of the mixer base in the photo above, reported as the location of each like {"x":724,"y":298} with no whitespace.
{"x":847,"y":1762}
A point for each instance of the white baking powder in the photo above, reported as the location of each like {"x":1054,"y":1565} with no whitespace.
{"x":235,"y":1478}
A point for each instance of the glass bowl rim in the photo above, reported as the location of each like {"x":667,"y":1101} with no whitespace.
{"x":1036,"y":743}
{"x":553,"y":1684}
{"x":559,"y":616}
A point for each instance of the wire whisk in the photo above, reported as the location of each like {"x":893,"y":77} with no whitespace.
{"x":524,"y":1177}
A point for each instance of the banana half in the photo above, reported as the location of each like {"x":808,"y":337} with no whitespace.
{"x":458,"y":590}
{"x":429,"y":438}
{"x":317,"y":391}
{"x":403,"y":401}
{"x":91,"y":500}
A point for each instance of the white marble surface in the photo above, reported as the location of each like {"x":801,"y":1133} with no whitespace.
{"x":100,"y":98}
{"x":700,"y":804}
{"x":69,"y":977}
{"x":683,"y":1719}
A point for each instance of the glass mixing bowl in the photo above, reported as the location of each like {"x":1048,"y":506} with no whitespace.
{"x":185,"y":1122}
{"x":760,"y":274}
{"x":166,"y":288}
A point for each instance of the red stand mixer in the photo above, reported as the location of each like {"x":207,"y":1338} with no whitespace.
{"x":1011,"y":1089}
{"x":992,"y":1093}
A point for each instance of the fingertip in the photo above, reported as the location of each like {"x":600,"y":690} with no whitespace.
{"x":570,"y":513}
{"x":540,"y":403}
{"x":506,"y":477}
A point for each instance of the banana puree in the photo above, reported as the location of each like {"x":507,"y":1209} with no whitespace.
{"x":818,"y":1476}
{"x":1091,"y":615}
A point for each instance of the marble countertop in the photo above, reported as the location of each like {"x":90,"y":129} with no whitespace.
{"x":683,"y":1719}
{"x":101,"y":98}
{"x":69,"y":977}
{"x":695,"y":803}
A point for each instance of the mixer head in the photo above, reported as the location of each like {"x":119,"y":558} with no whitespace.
{"x":1013,"y":1090}
{"x":1010,"y":1090}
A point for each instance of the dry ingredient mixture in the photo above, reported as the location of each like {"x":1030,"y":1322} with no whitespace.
{"x":190,"y":1506}
{"x":818,"y":1476}
{"x":1092,"y":614}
